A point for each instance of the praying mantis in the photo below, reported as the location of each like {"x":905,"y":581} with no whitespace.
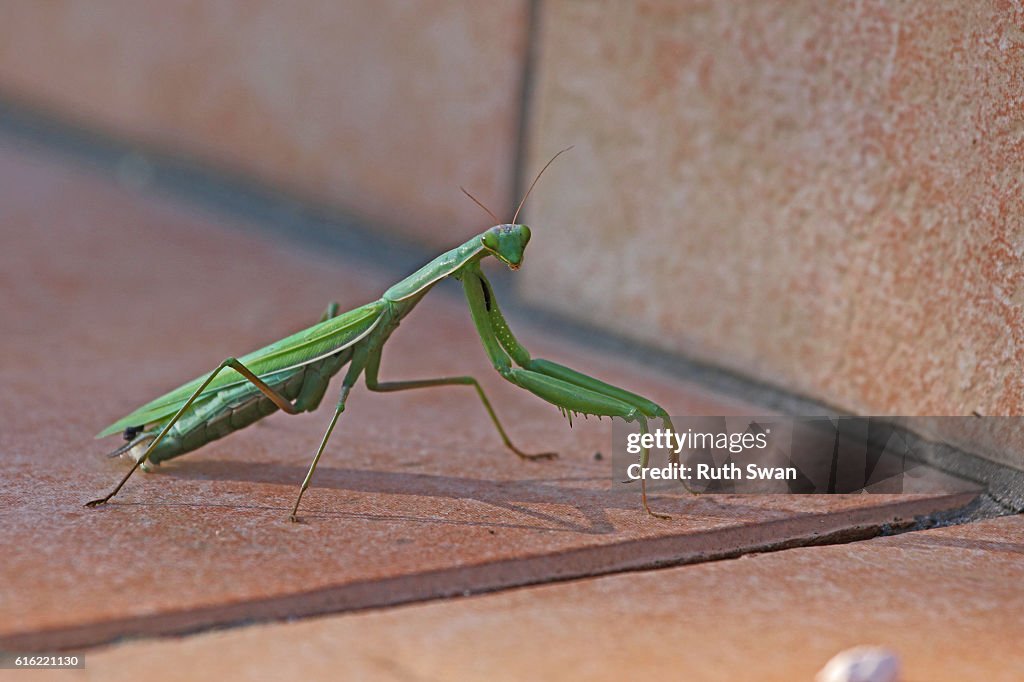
{"x":292,"y":374}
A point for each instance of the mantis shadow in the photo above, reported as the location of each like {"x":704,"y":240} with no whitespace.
{"x":512,"y":495}
{"x":592,"y":504}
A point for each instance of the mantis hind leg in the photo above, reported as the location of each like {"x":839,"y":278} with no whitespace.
{"x":373,"y":384}
{"x":278,"y":399}
{"x":308,"y":399}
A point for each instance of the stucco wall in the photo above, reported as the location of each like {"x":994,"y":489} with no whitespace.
{"x":827,"y":196}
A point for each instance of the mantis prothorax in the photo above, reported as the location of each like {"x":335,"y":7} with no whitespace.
{"x":292,"y":374}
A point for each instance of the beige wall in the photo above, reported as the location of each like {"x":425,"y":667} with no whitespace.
{"x":825,"y":196}
{"x":381,"y":106}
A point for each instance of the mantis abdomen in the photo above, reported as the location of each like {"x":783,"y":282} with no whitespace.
{"x":235,"y":407}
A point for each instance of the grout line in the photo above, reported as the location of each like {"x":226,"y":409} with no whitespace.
{"x":326,"y":229}
{"x":526,"y":87}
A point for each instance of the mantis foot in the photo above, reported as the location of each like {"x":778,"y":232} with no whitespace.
{"x":96,"y":503}
{"x":537,"y":457}
{"x":647,"y":508}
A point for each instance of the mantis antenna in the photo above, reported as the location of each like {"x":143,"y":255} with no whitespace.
{"x":477,"y":202}
{"x":532,"y":184}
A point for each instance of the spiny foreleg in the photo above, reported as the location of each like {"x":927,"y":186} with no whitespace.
{"x":565,"y":388}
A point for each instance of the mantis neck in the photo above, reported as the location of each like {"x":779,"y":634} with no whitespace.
{"x":445,"y":265}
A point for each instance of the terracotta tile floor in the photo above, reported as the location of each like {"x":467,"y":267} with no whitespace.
{"x":947,"y":601}
{"x":111,"y":296}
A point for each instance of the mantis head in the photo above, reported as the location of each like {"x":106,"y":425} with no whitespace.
{"x":507,"y":243}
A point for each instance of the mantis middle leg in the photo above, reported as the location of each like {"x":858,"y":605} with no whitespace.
{"x":373,"y":368}
{"x":355,"y":369}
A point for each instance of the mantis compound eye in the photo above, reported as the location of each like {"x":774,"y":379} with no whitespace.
{"x":490,"y":241}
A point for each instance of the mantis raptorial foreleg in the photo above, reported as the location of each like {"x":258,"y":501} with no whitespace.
{"x":644,"y":455}
{"x":563,"y":387}
{"x":646,"y":407}
{"x":373,"y":367}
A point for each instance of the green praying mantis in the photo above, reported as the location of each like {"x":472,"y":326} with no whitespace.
{"x":293,"y":374}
